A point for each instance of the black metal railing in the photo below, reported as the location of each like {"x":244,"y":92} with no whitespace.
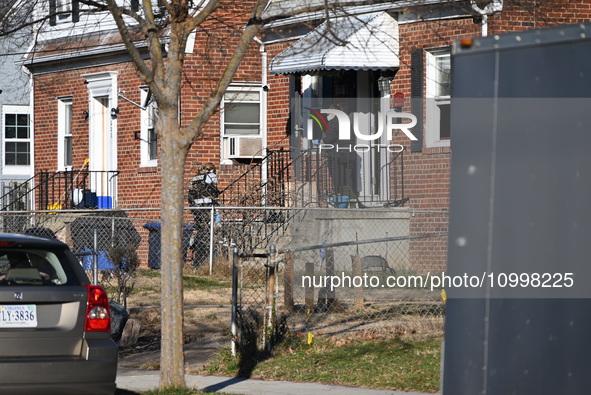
{"x":308,"y":179}
{"x":62,"y":190}
{"x":315,"y":179}
{"x":264,"y":184}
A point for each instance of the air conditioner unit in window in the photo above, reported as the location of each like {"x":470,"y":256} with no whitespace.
{"x":245,"y":147}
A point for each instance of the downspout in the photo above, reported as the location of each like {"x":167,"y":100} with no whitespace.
{"x":264,"y":170}
{"x":32,"y":133}
{"x":114,"y":130}
{"x":491,"y":8}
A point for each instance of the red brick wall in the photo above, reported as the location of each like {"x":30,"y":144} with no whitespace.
{"x":533,"y":14}
{"x":138,"y":187}
{"x":214,"y":45}
{"x":427,"y":173}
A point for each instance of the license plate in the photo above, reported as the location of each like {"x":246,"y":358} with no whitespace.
{"x":18,"y":316}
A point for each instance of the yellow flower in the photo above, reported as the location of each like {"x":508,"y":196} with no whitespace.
{"x":310,"y":338}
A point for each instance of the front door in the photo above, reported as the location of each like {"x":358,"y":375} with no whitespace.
{"x":102,"y":148}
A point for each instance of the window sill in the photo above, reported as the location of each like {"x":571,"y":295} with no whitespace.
{"x":438,"y":143}
{"x":148,"y":168}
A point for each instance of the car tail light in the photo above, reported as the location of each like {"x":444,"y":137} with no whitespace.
{"x":98,"y":313}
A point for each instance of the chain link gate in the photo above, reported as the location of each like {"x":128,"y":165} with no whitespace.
{"x":340,"y":282}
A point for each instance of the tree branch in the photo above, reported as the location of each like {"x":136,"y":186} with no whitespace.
{"x":193,"y":130}
{"x":203,"y":14}
{"x":126,"y":37}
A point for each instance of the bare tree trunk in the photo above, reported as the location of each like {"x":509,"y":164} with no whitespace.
{"x":173,"y":166}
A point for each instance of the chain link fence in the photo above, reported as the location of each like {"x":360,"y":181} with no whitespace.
{"x":330,"y":270}
{"x":338,"y":270}
{"x":109,"y":244}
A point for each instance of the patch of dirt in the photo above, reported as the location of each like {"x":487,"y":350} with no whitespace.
{"x":204,"y":334}
{"x":206,"y":321}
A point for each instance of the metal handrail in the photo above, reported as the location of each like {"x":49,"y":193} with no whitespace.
{"x":54,"y":189}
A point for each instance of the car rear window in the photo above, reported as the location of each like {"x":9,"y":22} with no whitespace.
{"x":34,"y":267}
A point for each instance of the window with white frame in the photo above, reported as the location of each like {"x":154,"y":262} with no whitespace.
{"x":148,"y":137}
{"x":64,"y":133}
{"x":438,"y":95}
{"x":241,"y":110}
{"x":17,"y":137}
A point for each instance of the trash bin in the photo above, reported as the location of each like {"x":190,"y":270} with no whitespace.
{"x":87,"y":200}
{"x":155,"y":243}
{"x":40,"y":231}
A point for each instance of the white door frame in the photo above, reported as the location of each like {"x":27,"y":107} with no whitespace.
{"x":102,"y":135}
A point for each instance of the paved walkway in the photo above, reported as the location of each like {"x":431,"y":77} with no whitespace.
{"x":145,"y":380}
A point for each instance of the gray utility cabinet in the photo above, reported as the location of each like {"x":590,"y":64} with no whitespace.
{"x":520,"y":210}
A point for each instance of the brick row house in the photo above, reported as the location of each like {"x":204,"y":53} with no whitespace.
{"x":92,"y":113}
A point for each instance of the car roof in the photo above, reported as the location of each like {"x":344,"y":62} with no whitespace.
{"x":31,"y":241}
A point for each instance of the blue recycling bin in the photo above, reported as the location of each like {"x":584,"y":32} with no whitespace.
{"x":341,"y":201}
{"x":155,"y":243}
{"x":104,"y":262}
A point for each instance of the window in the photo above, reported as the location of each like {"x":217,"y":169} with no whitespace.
{"x":148,"y":138}
{"x":438,"y":92}
{"x":64,"y":144}
{"x":241,"y":122}
{"x":17,"y":138}
{"x":242,"y":113}
{"x":63,"y":11}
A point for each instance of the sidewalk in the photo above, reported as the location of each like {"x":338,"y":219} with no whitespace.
{"x":145,"y":380}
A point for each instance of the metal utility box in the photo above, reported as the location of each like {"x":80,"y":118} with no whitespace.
{"x":520,"y":215}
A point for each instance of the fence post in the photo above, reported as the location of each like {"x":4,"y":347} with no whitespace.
{"x":287,"y":283}
{"x":95,"y":257}
{"x":330,"y":293}
{"x":113,"y":232}
{"x":358,"y":292}
{"x":309,"y":290}
{"x":271,"y":296}
{"x":211,"y":218}
{"x":234,"y":326}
